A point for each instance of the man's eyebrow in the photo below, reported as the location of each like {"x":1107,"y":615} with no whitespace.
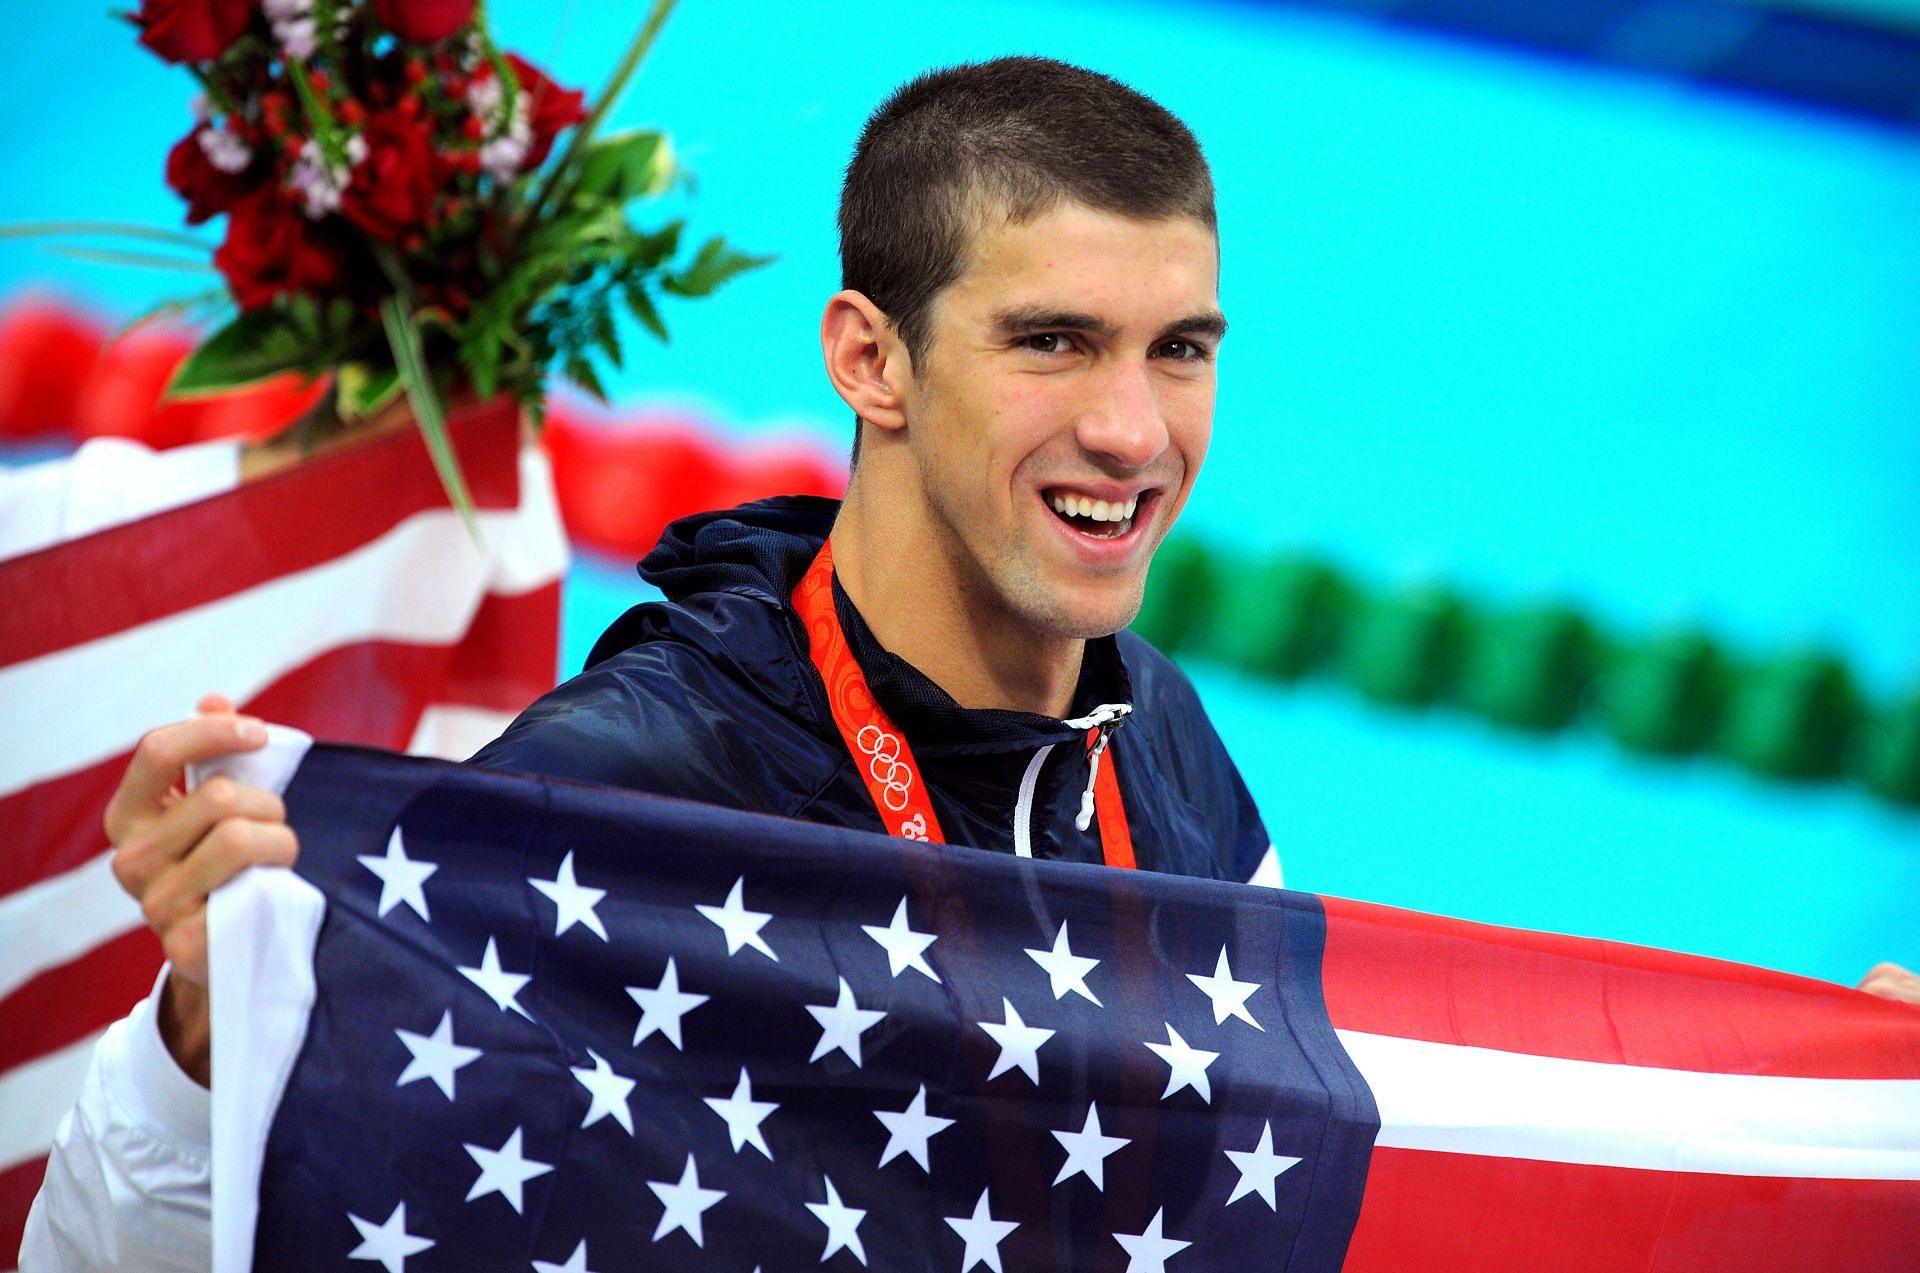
{"x":1211,"y":323}
{"x":1034,"y":318}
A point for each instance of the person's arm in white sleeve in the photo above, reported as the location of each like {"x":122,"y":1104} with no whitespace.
{"x":129,"y":1184}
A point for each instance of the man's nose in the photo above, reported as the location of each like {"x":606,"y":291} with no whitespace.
{"x":1124,"y":421}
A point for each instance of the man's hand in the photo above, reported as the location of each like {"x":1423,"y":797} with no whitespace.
{"x":172,"y":848}
{"x":1891,"y":981}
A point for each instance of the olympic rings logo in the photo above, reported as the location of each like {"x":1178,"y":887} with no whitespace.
{"x":894,"y":775}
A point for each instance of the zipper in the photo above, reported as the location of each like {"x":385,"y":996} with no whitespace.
{"x":1023,"y":807}
{"x":1105,"y":718}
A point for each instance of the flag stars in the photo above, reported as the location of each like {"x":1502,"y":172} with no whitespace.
{"x":1229,"y":996}
{"x":744,"y":1115}
{"x":501,"y":986}
{"x":1066,"y":970}
{"x":504,"y":1171}
{"x":389,"y":1243}
{"x":841,"y":1025}
{"x":1186,"y":1065}
{"x":662,"y":1007}
{"x":741,"y":926}
{"x":402,"y":879}
{"x":435,"y":1056}
{"x":1149,"y":1251}
{"x":685,"y":1203}
{"x":574,"y":902}
{"x":1258,"y":1168}
{"x":576,"y":1263}
{"x":983,"y":1235}
{"x":843,"y":1224}
{"x":905,"y":948}
{"x":909,"y":1130}
{"x":1088,"y":1150}
{"x":607,"y":1093}
{"x":1019,"y":1043}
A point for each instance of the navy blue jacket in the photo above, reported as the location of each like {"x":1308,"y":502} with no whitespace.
{"x":711,"y":696}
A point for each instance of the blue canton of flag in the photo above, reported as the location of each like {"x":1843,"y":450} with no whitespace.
{"x":565,"y":1029}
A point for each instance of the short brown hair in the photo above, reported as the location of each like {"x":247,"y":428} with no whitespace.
{"x":1017,"y":135}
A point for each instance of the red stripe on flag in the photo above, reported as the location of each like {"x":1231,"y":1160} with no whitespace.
{"x":1444,"y":980}
{"x":17,"y":1187}
{"x":369,"y":693}
{"x":1425,"y":1210}
{"x":305,"y":515}
{"x":66,"y":1004}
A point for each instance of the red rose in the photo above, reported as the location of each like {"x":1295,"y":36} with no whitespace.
{"x":550,"y":108}
{"x":192,"y":30}
{"x":272,"y":248}
{"x":207,"y":190}
{"x":423,"y":21}
{"x":391,"y":192}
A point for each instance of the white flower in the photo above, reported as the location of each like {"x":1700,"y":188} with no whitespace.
{"x":223,"y":150}
{"x":298,"y":36}
{"x":286,"y":10}
{"x":319,"y":184}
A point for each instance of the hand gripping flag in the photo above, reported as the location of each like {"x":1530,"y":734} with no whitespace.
{"x":342,"y":596}
{"x":506,"y":1022}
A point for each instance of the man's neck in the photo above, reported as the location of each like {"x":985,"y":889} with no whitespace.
{"x":907,"y":592}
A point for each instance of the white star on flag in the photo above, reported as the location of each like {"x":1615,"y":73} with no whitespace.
{"x":1087,"y":1150}
{"x":1066,"y":970}
{"x":843,"y":1224}
{"x":744,"y":1115}
{"x":905,"y":948}
{"x":841,"y":1025}
{"x":983,"y":1235}
{"x":662,"y":1007}
{"x":435,"y":1056}
{"x":1186,"y":1065}
{"x":501,"y":986}
{"x":389,"y":1243}
{"x":1149,"y":1251}
{"x":401,"y":877}
{"x":608,"y":1092}
{"x":1258,"y":1168}
{"x":685,"y":1203}
{"x":574,"y":901}
{"x":741,"y":925}
{"x":576,"y":1263}
{"x":1019,"y":1043}
{"x":909,"y":1130}
{"x":504,"y":1170}
{"x":1229,"y":996}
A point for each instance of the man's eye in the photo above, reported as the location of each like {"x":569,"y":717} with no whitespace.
{"x":1046,"y":342}
{"x":1185,"y":351}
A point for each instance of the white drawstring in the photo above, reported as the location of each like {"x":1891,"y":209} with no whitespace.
{"x":1106,"y":718}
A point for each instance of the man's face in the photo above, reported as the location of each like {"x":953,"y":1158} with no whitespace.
{"x":1070,"y":372}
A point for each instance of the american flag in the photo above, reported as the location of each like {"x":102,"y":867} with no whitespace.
{"x":519,"y":1023}
{"x":342,"y":596}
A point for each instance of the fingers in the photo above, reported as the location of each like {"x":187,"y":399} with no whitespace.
{"x":168,"y":838}
{"x":1891,"y":981}
{"x":212,"y":703}
{"x":162,"y":758}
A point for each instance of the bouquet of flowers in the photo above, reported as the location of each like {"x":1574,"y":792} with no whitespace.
{"x":400,"y":211}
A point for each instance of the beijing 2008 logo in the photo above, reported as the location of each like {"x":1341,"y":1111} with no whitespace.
{"x":894,"y":775}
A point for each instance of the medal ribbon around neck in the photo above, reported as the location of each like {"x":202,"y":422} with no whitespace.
{"x":879,"y":748}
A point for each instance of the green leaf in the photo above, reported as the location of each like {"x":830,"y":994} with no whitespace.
{"x":714,"y":265}
{"x":641,"y":306}
{"x":43,"y":229}
{"x":114,"y":256}
{"x":404,"y":339}
{"x":604,"y":334}
{"x":259,"y":343}
{"x":581,"y":372}
{"x":625,"y":166}
{"x":361,"y":391}
{"x":182,"y":307}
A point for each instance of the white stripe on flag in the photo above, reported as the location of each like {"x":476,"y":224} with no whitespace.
{"x":419,"y":583}
{"x":454,"y":733}
{"x":36,"y":1096}
{"x":1465,"y":1100}
{"x":59,"y":919}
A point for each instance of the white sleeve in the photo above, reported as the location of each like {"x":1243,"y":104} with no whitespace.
{"x":129,"y":1183}
{"x":106,"y":482}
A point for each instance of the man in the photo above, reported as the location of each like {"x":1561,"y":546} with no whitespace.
{"x":1027,"y":335}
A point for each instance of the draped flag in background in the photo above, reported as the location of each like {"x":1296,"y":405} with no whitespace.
{"x":506,"y":1022}
{"x":342,"y":596}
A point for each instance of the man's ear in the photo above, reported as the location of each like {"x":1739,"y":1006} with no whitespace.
{"x":866,"y":360}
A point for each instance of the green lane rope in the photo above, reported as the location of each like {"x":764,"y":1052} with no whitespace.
{"x":1798,"y":716}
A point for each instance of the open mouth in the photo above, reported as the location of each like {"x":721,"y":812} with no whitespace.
{"x":1098,"y":518}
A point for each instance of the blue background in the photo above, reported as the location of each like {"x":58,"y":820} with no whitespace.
{"x":1547,"y":329}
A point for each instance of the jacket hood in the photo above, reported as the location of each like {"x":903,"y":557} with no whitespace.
{"x":749,"y":551}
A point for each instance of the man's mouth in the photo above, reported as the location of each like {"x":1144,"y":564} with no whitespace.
{"x":1096,"y":518}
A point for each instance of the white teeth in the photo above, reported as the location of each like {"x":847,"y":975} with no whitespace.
{"x":1098,"y":510}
